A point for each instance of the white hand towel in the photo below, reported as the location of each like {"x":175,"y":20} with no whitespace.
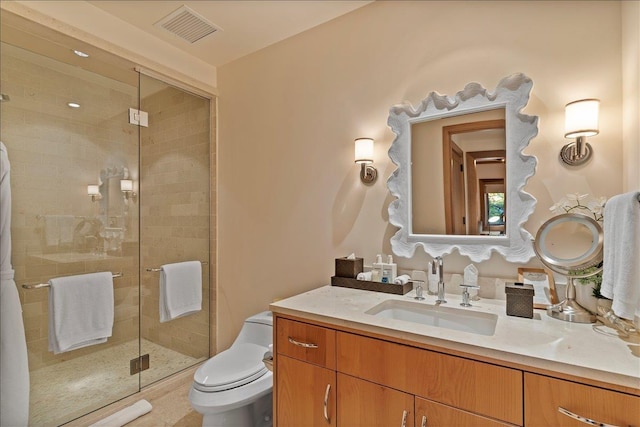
{"x":80,"y":311}
{"x":402,"y":280}
{"x":365,"y":275}
{"x":621,"y":268}
{"x":180,"y":289}
{"x":125,"y":415}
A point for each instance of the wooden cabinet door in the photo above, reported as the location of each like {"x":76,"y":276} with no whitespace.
{"x":432,"y":414}
{"x":477,"y":387}
{"x":305,"y":394}
{"x":365,"y":404}
{"x":544,"y":396}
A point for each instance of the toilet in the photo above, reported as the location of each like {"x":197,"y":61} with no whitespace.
{"x":234,"y":388}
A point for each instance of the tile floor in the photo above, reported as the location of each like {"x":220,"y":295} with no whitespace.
{"x":79,"y":384}
{"x":169,"y":399}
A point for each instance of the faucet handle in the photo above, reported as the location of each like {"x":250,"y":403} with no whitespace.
{"x":419,"y":289}
{"x":465,"y":294}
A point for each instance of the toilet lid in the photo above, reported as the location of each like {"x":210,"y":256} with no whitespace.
{"x":237,"y":366}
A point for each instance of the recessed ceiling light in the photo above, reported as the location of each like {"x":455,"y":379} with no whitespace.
{"x":73,"y":105}
{"x":81,"y":54}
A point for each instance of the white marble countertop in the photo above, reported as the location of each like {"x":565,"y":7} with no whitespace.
{"x":541,"y":342}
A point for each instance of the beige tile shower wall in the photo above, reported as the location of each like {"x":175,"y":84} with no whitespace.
{"x":55,"y":152}
{"x":175,"y":210}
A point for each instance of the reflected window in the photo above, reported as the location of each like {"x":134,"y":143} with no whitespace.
{"x":494,"y":209}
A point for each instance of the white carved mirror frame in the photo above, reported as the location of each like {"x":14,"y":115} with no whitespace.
{"x":512,"y":94}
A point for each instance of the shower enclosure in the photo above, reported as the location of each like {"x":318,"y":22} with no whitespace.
{"x":111,"y":171}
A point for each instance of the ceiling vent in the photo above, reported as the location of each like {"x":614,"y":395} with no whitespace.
{"x":187,"y":24}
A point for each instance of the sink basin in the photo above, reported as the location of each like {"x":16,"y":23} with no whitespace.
{"x":437,"y":315}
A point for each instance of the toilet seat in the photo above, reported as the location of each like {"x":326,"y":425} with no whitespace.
{"x":235,"y":367}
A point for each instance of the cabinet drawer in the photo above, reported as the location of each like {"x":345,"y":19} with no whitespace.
{"x":476,"y":387}
{"x":313,"y":344}
{"x":543,"y":396}
{"x":430,"y":414}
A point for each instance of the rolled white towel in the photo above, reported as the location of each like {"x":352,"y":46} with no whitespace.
{"x":125,"y":415}
{"x":402,"y":280}
{"x":365,"y":275}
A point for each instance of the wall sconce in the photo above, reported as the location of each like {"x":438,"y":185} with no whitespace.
{"x":364,"y":156}
{"x":581,"y":121}
{"x":126,"y":186}
{"x":94,"y":192}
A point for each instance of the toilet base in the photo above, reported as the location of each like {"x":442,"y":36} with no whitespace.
{"x":257,"y":414}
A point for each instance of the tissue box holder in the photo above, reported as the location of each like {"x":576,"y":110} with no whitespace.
{"x":349,"y":267}
{"x":519,"y":299}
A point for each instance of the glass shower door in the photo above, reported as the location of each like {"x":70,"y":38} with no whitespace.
{"x":66,"y":128}
{"x":175,"y":176}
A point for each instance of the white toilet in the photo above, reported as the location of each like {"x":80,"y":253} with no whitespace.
{"x":234,"y":388}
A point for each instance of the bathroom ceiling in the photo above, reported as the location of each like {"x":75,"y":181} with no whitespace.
{"x":245,"y":26}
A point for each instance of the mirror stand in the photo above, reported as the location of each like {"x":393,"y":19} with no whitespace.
{"x":569,"y":310}
{"x":581,"y":261}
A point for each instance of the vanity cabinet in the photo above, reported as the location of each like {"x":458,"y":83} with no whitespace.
{"x":555,"y":402}
{"x":345,"y":378}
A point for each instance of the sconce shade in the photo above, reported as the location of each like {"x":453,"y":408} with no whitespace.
{"x":93,"y":190}
{"x":581,"y":118}
{"x":364,"y":150}
{"x":126,"y":185}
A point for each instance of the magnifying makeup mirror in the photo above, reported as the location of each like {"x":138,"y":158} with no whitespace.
{"x":569,"y":244}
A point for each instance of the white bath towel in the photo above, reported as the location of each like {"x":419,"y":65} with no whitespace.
{"x":621,"y":268}
{"x":80,"y":311}
{"x":180,"y":289}
{"x":125,"y":415}
{"x":14,"y":366}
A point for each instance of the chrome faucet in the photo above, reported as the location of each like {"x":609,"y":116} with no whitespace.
{"x":437,"y":268}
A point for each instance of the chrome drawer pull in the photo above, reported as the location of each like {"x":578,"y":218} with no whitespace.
{"x":404,"y":419}
{"x":326,"y":402}
{"x":583,"y":419}
{"x":302,"y":344}
{"x":424,"y":421}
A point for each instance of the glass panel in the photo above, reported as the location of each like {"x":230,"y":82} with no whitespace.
{"x":175,"y":219}
{"x":58,"y":229}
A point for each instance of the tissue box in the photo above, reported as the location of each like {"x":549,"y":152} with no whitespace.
{"x":519,"y":299}
{"x":349,"y":267}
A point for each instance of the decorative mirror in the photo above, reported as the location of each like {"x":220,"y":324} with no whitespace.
{"x":571,"y":244}
{"x":461,"y":173}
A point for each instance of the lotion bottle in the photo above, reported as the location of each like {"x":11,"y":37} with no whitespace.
{"x":389,"y":270}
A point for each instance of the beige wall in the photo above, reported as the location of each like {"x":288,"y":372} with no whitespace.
{"x":290,"y":199}
{"x":631,"y":93}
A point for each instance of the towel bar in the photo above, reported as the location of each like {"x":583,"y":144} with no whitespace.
{"x":155,"y":270}
{"x":46,"y":285}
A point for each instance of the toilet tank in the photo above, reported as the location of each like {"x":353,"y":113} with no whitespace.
{"x":257,"y":329}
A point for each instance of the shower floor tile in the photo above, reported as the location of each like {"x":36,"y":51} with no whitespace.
{"x":68,"y":390}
